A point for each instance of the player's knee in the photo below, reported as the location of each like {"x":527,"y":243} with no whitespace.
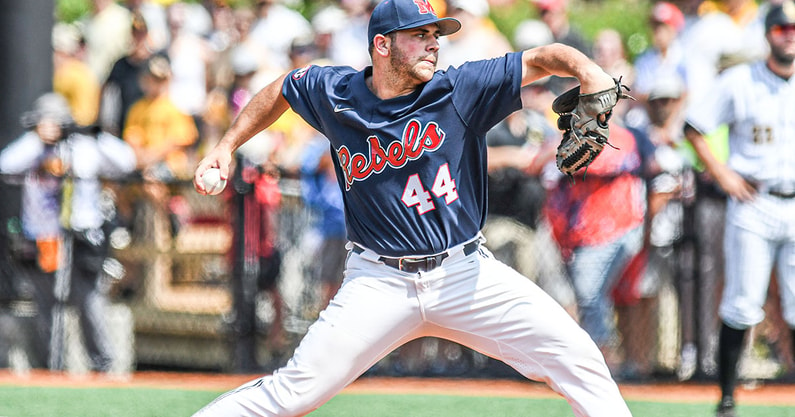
{"x":737,"y":318}
{"x":579,"y":347}
{"x":297,"y":406}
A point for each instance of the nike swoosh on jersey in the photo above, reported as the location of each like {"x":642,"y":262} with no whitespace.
{"x":338,"y":108}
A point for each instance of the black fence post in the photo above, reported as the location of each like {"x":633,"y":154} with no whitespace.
{"x":244,"y":273}
{"x":26,"y":70}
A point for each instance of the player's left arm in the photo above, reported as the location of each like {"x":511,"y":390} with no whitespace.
{"x":564,"y":61}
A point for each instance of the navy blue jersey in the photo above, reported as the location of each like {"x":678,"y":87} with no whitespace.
{"x":412,"y":168}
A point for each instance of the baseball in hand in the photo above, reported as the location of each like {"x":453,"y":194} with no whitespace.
{"x":213,"y":184}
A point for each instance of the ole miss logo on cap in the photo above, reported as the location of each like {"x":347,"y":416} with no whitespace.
{"x":425,"y":7}
{"x":391,"y":15}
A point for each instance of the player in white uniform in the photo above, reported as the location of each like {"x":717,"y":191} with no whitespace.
{"x":409,"y":150}
{"x":757,"y":102}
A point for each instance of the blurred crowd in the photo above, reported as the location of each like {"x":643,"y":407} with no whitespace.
{"x":159,"y":81}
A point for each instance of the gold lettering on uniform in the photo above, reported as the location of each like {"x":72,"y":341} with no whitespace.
{"x":756,"y":135}
{"x":762,"y":134}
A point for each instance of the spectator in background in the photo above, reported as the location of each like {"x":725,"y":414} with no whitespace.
{"x":123,"y":85}
{"x":190,"y":56}
{"x":322,"y":196}
{"x":154,"y":15}
{"x":609,"y":53}
{"x":348,"y":43}
{"x":245,"y":18}
{"x":478,"y":37}
{"x":223,"y":34}
{"x":304,"y":51}
{"x":72,"y":77}
{"x":244,"y":66}
{"x":157,"y":129}
{"x":107,"y":35}
{"x":62,"y":214}
{"x":513,"y":146}
{"x":221,"y":40}
{"x":555,"y":13}
{"x":275,"y":28}
{"x":325,"y":24}
{"x":665,"y":57}
{"x":162,"y":137}
{"x":531,"y":33}
{"x":294,"y":132}
{"x":597,"y":238}
{"x":656,"y":265}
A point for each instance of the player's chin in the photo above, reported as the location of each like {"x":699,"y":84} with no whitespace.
{"x":424,"y":71}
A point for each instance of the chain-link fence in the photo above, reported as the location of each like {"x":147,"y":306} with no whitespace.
{"x":194,"y":288}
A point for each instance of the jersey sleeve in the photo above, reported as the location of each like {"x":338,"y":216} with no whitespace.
{"x":715,"y":107}
{"x":300,"y":88}
{"x":487,"y":91}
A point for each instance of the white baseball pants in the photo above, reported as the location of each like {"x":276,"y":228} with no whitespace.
{"x":760,"y":236}
{"x":473,"y":300}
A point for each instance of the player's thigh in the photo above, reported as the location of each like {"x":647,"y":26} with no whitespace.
{"x":373,"y":303}
{"x":509,"y":317}
{"x":749,"y":258}
{"x":368,"y":318}
{"x":513,"y":320}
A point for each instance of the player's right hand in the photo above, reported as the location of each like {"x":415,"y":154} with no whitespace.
{"x":219,"y":158}
{"x":735,"y":185}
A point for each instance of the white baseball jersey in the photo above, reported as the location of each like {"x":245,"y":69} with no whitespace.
{"x":759,"y":108}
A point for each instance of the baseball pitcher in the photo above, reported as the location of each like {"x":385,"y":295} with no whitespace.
{"x":409,"y":150}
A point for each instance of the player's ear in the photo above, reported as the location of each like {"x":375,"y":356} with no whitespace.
{"x":381,"y":44}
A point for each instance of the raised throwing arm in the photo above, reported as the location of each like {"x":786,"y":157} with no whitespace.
{"x":263,"y":109}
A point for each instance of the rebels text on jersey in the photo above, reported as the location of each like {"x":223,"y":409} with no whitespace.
{"x":412,"y":168}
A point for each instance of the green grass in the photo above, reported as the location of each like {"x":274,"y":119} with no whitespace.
{"x":140,"y":402}
{"x":100,"y":402}
{"x":356,"y":405}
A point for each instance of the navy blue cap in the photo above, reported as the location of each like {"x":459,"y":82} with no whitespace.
{"x":391,"y":15}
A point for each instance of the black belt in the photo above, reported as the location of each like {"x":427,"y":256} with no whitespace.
{"x":781,"y":194}
{"x":421,"y":264}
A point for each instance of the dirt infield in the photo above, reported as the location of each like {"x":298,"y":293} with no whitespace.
{"x":770,"y":394}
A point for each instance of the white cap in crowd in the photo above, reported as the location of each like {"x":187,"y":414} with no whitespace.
{"x":478,"y":8}
{"x":532,"y":33}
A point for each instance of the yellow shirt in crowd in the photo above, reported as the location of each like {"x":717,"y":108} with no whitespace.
{"x":157,"y":124}
{"x":77,"y":83}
